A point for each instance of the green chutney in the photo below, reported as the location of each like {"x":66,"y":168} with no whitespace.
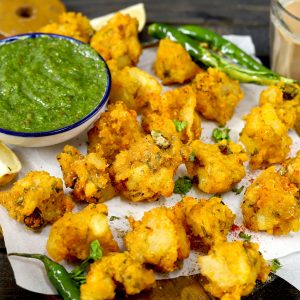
{"x":48,"y":83}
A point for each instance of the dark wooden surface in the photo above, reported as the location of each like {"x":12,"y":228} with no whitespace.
{"x":224,"y":16}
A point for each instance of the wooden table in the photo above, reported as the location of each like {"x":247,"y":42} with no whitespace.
{"x":235,"y":16}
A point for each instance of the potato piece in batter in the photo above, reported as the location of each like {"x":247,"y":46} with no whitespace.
{"x":218,"y":167}
{"x":286,"y":101}
{"x":71,"y":235}
{"x":217,"y":95}
{"x":173,"y":63}
{"x":87,"y":174}
{"x":114,"y":131}
{"x":231,"y":269}
{"x":271,"y":204}
{"x":36,"y":200}
{"x":71,"y":24}
{"x":118,"y":41}
{"x":158,"y":239}
{"x":134,"y":87}
{"x":179,"y":106}
{"x":146,"y":170}
{"x":112,"y":270}
{"x":265,"y":137}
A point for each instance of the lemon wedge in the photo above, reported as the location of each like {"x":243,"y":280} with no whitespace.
{"x":9,"y":164}
{"x":137,"y":11}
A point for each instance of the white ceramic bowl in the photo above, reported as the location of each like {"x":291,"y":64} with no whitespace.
{"x":52,"y":137}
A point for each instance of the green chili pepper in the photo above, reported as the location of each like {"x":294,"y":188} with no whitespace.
{"x":210,"y":59}
{"x":218,"y":43}
{"x":58,"y":276}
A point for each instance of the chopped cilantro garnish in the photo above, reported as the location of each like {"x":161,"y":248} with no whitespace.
{"x":237,"y":190}
{"x":183,"y":185}
{"x":246,"y":237}
{"x":180,"y":125}
{"x":112,"y":218}
{"x":275,"y":265}
{"x":192,"y":157}
{"x":221,"y":134}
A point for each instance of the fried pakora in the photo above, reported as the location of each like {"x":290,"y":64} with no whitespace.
{"x":158,"y":239}
{"x":173,"y":64}
{"x":217,"y":95}
{"x":114,"y":131}
{"x":134,"y":87}
{"x":271,"y":204}
{"x":177,"y":105}
{"x":87,"y":175}
{"x":145,"y":171}
{"x":118,"y":41}
{"x":218,"y":167}
{"x":286,"y":101}
{"x":231,"y":269}
{"x":71,"y":235}
{"x":211,"y":220}
{"x":71,"y":24}
{"x":112,"y":270}
{"x":265,"y":137}
{"x":292,"y":167}
{"x":36,"y":200}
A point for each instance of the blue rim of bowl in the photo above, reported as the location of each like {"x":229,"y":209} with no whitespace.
{"x":103,"y":101}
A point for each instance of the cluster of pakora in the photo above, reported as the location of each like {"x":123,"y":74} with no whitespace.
{"x":138,"y":160}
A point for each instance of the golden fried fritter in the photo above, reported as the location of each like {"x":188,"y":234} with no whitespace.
{"x":179,"y":106}
{"x":134,"y":87}
{"x":118,"y":40}
{"x":292,"y":167}
{"x":36,"y":200}
{"x":231,"y":269}
{"x":211,"y":220}
{"x":116,"y":268}
{"x":218,"y":167}
{"x":173,"y":63}
{"x":286,"y":101}
{"x":145,"y":171}
{"x":71,"y":235}
{"x":271,"y":204}
{"x":114,"y":131}
{"x":265,"y":137}
{"x":158,"y":239}
{"x":87,"y":175}
{"x":71,"y":24}
{"x":217,"y":95}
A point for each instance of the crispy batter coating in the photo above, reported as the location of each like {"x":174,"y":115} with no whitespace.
{"x":71,"y":24}
{"x":265,"y":137}
{"x":232,"y":269}
{"x":146,"y":170}
{"x":158,"y":239}
{"x":114,"y":131}
{"x":292,"y":167}
{"x":134,"y":87}
{"x":211,"y":220}
{"x":271,"y":204}
{"x":71,"y":235}
{"x":116,"y":268}
{"x":87,"y":175}
{"x":286,"y":104}
{"x":177,"y":105}
{"x":218,"y":167}
{"x":217,"y":95}
{"x":36,"y":200}
{"x":118,"y":40}
{"x":173,"y":64}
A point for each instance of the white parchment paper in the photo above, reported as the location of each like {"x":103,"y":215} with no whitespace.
{"x":30,"y":273}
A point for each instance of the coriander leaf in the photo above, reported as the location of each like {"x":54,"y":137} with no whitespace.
{"x":160,"y":140}
{"x":95,"y":250}
{"x":112,"y":218}
{"x":180,"y":125}
{"x":275,"y":265}
{"x":183,"y":185}
{"x":221,"y":134}
{"x":192,"y":157}
{"x":237,"y":190}
{"x":246,"y":237}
